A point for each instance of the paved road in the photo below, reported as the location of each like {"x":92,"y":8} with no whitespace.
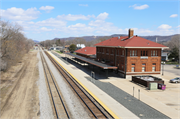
{"x":171,"y":69}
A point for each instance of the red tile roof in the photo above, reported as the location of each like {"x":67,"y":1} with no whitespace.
{"x":87,"y":51}
{"x":134,"y":41}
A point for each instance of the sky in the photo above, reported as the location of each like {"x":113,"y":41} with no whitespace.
{"x":48,"y":19}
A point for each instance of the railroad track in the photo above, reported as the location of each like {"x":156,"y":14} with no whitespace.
{"x":96,"y":110}
{"x":59,"y":107}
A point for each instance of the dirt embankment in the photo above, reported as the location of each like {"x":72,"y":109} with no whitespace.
{"x":19,"y":89}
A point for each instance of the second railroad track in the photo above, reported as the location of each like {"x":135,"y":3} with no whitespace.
{"x":58,"y":104}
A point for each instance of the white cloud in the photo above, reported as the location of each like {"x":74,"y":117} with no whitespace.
{"x":97,"y":23}
{"x":20,"y":14}
{"x":174,"y":15}
{"x":45,"y":29}
{"x":47,"y":8}
{"x":51,"y":22}
{"x":84,"y":5}
{"x":78,"y":25}
{"x":71,"y":17}
{"x":164,"y":27}
{"x":178,"y":26}
{"x":102,"y":16}
{"x":141,"y":7}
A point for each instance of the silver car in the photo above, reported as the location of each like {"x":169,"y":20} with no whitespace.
{"x":175,"y":80}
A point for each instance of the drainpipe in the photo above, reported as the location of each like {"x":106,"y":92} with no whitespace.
{"x":125,"y":61}
{"x":115,"y":55}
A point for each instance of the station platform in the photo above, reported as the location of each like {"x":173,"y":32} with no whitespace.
{"x":115,"y":108}
{"x":118,"y":107}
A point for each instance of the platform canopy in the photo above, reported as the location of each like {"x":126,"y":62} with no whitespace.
{"x":98,"y":64}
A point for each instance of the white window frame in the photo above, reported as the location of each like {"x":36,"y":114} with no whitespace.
{"x":143,"y":69}
{"x":132,"y":69}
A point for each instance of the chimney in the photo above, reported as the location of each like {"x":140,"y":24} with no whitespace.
{"x":131,"y":32}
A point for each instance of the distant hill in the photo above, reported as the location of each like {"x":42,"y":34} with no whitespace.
{"x":152,"y":38}
{"x":36,"y":41}
{"x":87,"y":38}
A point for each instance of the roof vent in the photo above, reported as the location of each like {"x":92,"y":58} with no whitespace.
{"x":85,"y":50}
{"x":118,"y":37}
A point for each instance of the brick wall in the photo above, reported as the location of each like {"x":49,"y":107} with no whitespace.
{"x":141,"y":61}
{"x":138,"y":61}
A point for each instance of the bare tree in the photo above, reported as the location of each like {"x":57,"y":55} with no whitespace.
{"x":13,"y":44}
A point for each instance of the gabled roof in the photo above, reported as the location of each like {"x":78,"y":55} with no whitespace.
{"x":87,"y":51}
{"x":132,"y":42}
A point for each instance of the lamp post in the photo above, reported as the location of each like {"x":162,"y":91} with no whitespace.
{"x":163,"y":68}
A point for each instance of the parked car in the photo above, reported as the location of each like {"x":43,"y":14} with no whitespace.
{"x":175,"y":80}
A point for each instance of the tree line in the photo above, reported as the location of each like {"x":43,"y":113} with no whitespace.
{"x":78,"y":40}
{"x":13,"y":44}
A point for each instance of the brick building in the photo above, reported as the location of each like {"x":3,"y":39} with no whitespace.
{"x":88,"y":52}
{"x":133,"y":55}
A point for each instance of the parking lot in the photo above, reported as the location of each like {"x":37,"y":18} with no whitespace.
{"x":167,"y":101}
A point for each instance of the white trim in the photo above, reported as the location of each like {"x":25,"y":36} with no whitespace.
{"x":147,"y":47}
{"x":142,"y":72}
{"x":133,"y":56}
{"x":133,"y":47}
{"x":85,"y":54}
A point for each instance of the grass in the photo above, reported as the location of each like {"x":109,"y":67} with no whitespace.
{"x":59,"y":52}
{"x":170,"y":62}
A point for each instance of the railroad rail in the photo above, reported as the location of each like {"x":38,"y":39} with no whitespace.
{"x":97,"y":111}
{"x":59,"y":107}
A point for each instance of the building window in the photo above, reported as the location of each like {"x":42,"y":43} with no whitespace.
{"x":143,"y":69}
{"x":153,"y":66}
{"x":107,"y":51}
{"x":154,"y":53}
{"x":122,"y":52}
{"x":144,"y":53}
{"x":132,"y":69}
{"x":117,"y":52}
{"x":143,"y":64}
{"x":122,"y":67}
{"x":133,"y":52}
{"x":112,"y":51}
{"x":99,"y":50}
{"x":103,"y":50}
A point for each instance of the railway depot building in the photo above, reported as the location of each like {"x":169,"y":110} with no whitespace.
{"x":132,"y":55}
{"x":87,"y":52}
